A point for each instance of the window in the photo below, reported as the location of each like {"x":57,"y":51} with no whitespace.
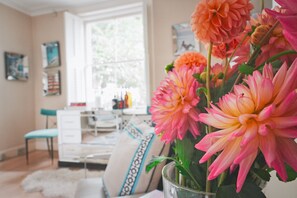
{"x":111,"y":59}
{"x":116,"y":60}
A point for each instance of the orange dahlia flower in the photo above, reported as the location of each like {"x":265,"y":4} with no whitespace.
{"x":174,"y":105}
{"x":219,"y":21}
{"x":224,"y":50}
{"x":190,"y":59}
{"x":260,"y":116}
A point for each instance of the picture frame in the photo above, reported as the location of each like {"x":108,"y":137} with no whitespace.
{"x":51,"y":81}
{"x":183,"y":39}
{"x":51,"y":54}
{"x":16,"y":66}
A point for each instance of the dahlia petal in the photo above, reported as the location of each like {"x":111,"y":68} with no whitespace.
{"x":289,"y":4}
{"x":268,"y":72}
{"x":285,"y":122}
{"x":279,"y":166}
{"x":291,"y":37}
{"x":250,"y":133}
{"x":247,"y":150}
{"x":279,"y":79}
{"x":268,"y":148}
{"x":225,"y":159}
{"x":288,"y":83}
{"x":287,"y":132}
{"x":244,"y":169}
{"x":216,"y":147}
{"x":287,"y":104}
{"x":288,"y":151}
{"x":265,"y":91}
{"x":266,"y":113}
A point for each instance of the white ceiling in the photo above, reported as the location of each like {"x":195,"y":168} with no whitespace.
{"x":38,"y":7}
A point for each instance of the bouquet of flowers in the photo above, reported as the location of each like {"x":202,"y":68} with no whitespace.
{"x":234,"y":121}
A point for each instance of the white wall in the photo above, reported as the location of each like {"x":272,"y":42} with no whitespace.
{"x":17,"y":105}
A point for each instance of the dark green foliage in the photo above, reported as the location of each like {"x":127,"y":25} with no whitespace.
{"x":248,"y":190}
{"x":169,"y":67}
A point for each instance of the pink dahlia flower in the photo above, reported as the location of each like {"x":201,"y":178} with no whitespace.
{"x":260,"y":116}
{"x":288,"y":19}
{"x":174,"y":105}
{"x":216,"y":21}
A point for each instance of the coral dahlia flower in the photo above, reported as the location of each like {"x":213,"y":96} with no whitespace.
{"x":260,"y":116}
{"x":216,"y":21}
{"x":191,"y":59}
{"x":174,"y":105}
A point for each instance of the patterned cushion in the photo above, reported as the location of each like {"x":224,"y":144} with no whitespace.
{"x":125,"y":173}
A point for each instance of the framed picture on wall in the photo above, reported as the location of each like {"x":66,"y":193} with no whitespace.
{"x":51,"y":54}
{"x":51,"y":82}
{"x":16,"y":66}
{"x":183,"y":39}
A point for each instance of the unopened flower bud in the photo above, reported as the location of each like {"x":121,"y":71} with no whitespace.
{"x":259,"y":34}
{"x":203,"y":76}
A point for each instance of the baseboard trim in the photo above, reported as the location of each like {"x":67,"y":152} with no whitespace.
{"x":16,"y":151}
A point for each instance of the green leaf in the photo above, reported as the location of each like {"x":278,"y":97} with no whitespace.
{"x":154,"y":162}
{"x":262,"y":174}
{"x":221,"y":75}
{"x":169,"y":67}
{"x":246,"y":69}
{"x":292,"y":175}
{"x":201,"y":89}
{"x":248,"y":190}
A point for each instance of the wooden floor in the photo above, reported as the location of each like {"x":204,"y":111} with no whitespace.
{"x":14,"y":170}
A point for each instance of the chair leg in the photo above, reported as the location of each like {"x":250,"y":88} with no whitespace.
{"x":27,"y":151}
{"x":48,"y":146}
{"x":52,"y":150}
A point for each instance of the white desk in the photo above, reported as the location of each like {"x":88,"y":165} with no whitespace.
{"x":78,"y":139}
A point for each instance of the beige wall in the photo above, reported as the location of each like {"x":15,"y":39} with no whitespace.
{"x":162,"y":15}
{"x":47,"y":28}
{"x":16,"y":101}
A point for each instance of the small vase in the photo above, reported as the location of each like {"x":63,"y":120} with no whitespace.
{"x":173,"y":190}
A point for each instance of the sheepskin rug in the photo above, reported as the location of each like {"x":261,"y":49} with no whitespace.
{"x":56,"y":183}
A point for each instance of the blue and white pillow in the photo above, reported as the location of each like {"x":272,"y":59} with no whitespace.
{"x":125,"y":173}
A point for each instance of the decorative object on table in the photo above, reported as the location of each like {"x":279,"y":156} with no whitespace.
{"x":234,"y":121}
{"x":16,"y":66}
{"x":56,"y":183}
{"x":136,"y":146}
{"x":51,"y":83}
{"x":183,"y":39}
{"x":51,"y":54}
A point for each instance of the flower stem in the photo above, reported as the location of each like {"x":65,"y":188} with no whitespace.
{"x":275,"y":57}
{"x":208,"y":75}
{"x":262,"y":5}
{"x":208,"y":183}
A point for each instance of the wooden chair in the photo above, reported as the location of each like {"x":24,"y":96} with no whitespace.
{"x":47,"y":133}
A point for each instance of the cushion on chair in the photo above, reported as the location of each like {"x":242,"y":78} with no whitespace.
{"x":125,"y":173}
{"x":42,"y":133}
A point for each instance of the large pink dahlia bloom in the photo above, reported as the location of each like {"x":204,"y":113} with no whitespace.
{"x":260,"y":116}
{"x":174,"y":105}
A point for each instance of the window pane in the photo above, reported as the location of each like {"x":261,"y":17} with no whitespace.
{"x":117,"y":59}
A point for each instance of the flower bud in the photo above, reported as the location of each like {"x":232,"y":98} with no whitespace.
{"x":259,"y":34}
